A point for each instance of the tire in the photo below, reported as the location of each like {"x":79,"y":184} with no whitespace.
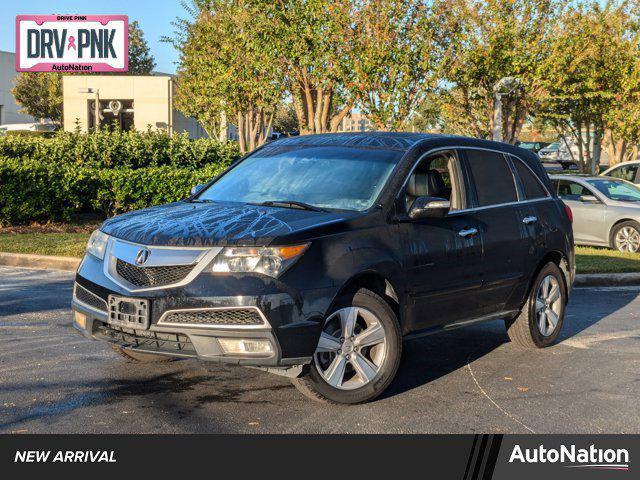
{"x":138,"y":357}
{"x":625,"y":237}
{"x":361,"y":380}
{"x":526,"y":329}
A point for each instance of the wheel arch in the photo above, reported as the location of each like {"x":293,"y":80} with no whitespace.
{"x":378,"y":283}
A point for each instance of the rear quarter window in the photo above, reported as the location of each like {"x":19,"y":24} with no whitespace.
{"x":531,"y":185}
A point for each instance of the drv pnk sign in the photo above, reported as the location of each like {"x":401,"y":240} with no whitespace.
{"x":72,"y":43}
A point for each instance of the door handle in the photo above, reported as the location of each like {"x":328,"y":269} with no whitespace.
{"x":529,"y":220}
{"x":468,"y":232}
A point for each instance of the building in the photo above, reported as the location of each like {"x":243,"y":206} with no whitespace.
{"x":138,"y":102}
{"x":356,"y":122}
{"x":9,"y":110}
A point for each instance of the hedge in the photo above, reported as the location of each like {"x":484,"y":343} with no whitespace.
{"x":31,"y":190}
{"x":112,"y":148}
{"x":52,"y":179}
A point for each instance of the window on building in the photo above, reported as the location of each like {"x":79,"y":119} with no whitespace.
{"x":114,"y":113}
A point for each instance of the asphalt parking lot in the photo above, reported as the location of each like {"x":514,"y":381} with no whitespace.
{"x":470,"y":380}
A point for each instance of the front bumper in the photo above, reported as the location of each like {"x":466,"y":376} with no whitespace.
{"x":292,"y":319}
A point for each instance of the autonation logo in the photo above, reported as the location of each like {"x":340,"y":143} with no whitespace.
{"x":573,"y":457}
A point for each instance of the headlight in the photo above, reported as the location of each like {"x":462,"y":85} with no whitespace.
{"x":271,"y":261}
{"x":97,"y":244}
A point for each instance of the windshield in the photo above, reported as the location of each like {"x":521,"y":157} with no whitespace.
{"x":527,"y":145}
{"x":325,"y":177}
{"x":617,"y":190}
{"x":553,"y":146}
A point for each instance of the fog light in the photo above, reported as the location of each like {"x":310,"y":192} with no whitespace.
{"x":246,"y":346}
{"x":80,"y":319}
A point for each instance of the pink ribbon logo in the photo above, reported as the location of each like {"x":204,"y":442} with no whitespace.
{"x":72,"y":43}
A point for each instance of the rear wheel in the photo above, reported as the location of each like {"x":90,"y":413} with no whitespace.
{"x":538,"y":324}
{"x":358,"y":352}
{"x":625,"y":237}
{"x":138,"y":357}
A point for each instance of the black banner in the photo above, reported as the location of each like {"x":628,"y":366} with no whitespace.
{"x":456,"y":457}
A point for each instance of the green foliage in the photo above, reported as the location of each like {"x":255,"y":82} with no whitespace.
{"x":113,"y":148}
{"x":50,"y":179}
{"x":39,"y":94}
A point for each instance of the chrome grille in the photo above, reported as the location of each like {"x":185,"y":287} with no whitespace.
{"x":239,"y":316}
{"x":152,"y":276}
{"x":91,"y":299}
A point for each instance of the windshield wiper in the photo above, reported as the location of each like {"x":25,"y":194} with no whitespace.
{"x":290,"y":204}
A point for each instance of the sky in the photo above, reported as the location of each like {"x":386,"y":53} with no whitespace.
{"x":154,"y":17}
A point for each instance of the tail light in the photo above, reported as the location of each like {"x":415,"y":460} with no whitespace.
{"x":569,"y":212}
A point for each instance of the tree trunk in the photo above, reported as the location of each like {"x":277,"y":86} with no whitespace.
{"x":224,"y":127}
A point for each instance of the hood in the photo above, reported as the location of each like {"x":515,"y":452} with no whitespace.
{"x":214,"y":224}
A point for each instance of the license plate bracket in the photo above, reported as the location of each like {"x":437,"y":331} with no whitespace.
{"x":128,"y":312}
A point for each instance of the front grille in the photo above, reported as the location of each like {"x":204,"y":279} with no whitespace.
{"x":239,"y":316}
{"x":152,"y":276}
{"x":145,"y":340}
{"x":91,"y":299}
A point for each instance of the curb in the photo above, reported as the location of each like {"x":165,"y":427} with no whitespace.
{"x":607,"y":279}
{"x":71,"y":264}
{"x":39,"y":261}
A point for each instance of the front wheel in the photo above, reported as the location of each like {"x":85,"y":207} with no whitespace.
{"x":538,"y":324}
{"x":358,"y":352}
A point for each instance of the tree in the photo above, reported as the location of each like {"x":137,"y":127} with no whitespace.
{"x":494,"y":39}
{"x":40,"y":93}
{"x":141,"y":62}
{"x":590,"y":79}
{"x":396,"y":54}
{"x":305,"y":39}
{"x":285,"y":119}
{"x":225,"y":68}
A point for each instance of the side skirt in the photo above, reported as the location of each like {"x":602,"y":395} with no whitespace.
{"x":464,"y":323}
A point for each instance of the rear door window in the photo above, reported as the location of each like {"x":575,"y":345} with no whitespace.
{"x":531,"y":185}
{"x":492,"y":178}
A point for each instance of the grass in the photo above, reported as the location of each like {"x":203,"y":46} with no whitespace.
{"x":604,"y":260}
{"x":72,"y":244}
{"x":65,"y":244}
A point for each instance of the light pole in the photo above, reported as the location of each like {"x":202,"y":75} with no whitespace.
{"x":96,"y":107}
{"x":503,"y":88}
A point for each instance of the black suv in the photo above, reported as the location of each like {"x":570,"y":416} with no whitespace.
{"x":315,"y":256}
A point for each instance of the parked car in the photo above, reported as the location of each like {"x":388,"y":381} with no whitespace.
{"x":626,"y":171}
{"x":27,"y":127}
{"x":606,"y":210}
{"x":534,"y":147}
{"x":550,"y":153}
{"x":315,"y":256}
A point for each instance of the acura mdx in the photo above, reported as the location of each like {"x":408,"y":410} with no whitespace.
{"x":316,"y":256}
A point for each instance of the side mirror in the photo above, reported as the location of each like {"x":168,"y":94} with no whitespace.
{"x":589,"y":199}
{"x":429,"y":207}
{"x":195,"y":190}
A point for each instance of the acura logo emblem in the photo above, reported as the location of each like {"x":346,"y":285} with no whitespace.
{"x":142,"y":256}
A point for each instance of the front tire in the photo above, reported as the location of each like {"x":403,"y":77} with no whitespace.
{"x":540,"y":321}
{"x":132,"y":356}
{"x":625,"y":237}
{"x":358,"y":352}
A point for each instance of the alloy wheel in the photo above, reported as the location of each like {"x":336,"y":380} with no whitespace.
{"x":628,"y":239}
{"x":548,"y":305}
{"x":352,"y":348}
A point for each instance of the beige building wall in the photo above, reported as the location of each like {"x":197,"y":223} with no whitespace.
{"x":152,"y":98}
{"x":9,"y":111}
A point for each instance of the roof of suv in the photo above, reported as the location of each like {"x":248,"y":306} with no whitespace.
{"x":386,"y":140}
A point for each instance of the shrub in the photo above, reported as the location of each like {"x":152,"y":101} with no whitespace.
{"x":31,"y":190}
{"x":112,"y":148}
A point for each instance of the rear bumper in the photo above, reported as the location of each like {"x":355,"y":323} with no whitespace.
{"x":292,"y":318}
